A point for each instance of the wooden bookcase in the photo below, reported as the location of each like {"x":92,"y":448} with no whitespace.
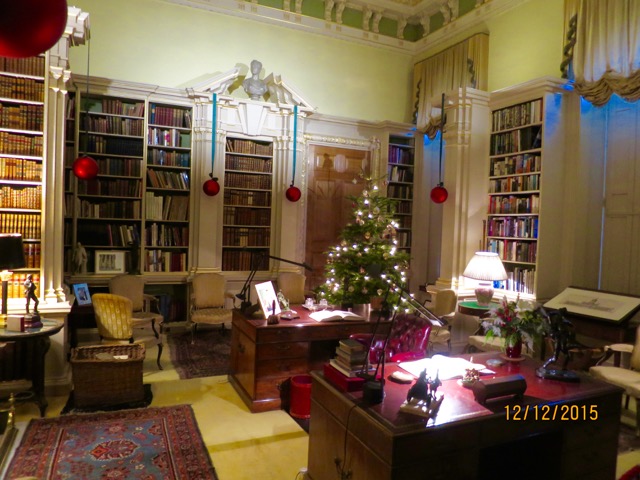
{"x":22,"y":117}
{"x":246,"y":230}
{"x":167,"y":188}
{"x":400,"y":175}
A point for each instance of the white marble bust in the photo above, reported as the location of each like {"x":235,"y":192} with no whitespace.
{"x":254,"y":86}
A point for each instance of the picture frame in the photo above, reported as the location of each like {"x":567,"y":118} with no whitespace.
{"x":82,"y":294}
{"x":606,"y":306}
{"x":268,"y":299}
{"x":109,"y":261}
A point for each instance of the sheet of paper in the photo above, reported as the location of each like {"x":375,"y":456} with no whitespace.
{"x":446,"y":367}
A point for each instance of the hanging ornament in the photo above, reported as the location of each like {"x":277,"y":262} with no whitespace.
{"x":211,"y":187}
{"x":293,"y":193}
{"x":31,"y":27}
{"x":85,"y":167}
{"x":439,"y":194}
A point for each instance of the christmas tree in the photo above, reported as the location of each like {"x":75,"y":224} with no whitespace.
{"x":366,"y":263}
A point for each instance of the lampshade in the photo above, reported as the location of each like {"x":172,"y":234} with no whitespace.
{"x":11,"y":251}
{"x":486,"y":267}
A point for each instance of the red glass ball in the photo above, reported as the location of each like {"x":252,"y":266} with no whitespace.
{"x":30,"y":27}
{"x":293,"y":193}
{"x":211,"y":187}
{"x":439,"y":194}
{"x":85,"y":168}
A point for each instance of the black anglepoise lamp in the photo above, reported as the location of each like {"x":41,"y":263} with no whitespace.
{"x":11,"y":257}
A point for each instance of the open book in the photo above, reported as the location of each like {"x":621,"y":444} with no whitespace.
{"x":445,"y":367}
{"x":334,"y":315}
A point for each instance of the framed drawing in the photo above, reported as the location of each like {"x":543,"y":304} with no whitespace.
{"x":109,"y":261}
{"x":81,"y":291}
{"x":612,"y":307}
{"x":268,"y":299}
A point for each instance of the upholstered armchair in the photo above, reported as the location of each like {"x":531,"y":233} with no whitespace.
{"x":443,"y":306}
{"x":132,"y":287}
{"x":208,"y":297}
{"x":114,"y":319}
{"x":292,"y":286}
{"x":408,"y":340}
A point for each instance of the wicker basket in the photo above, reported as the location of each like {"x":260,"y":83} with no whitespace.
{"x":106,"y":382}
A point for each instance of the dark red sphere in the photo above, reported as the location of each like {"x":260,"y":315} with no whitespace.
{"x":85,"y":168}
{"x":31,"y":27}
{"x":293,"y":193}
{"x":439,"y":194}
{"x":211,"y":187}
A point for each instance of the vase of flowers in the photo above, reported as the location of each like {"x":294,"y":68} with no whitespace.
{"x":518,"y":322}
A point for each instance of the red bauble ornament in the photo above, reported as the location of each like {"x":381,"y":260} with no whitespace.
{"x":211,"y":187}
{"x":85,"y":168}
{"x":293,"y":193}
{"x":30,"y":27}
{"x":439,"y":194}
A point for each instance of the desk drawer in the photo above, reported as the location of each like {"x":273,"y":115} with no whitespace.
{"x":270,"y":351}
{"x":281,"y":366}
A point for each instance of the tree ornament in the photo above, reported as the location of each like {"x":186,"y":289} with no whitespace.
{"x":211,"y":187}
{"x":439,"y":194}
{"x":293,"y":193}
{"x":85,"y":168}
{"x":367,"y":235}
{"x":31,"y":27}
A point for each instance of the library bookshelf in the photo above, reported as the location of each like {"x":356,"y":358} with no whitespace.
{"x":22,"y":113}
{"x":400,"y":175}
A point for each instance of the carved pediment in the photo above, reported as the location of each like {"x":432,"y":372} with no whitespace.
{"x":217,"y":84}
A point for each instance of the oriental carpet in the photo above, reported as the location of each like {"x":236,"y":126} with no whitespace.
{"x":208,"y":356}
{"x":137,"y":444}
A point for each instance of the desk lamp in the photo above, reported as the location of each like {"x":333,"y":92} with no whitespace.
{"x":486,"y":267}
{"x":11,"y":257}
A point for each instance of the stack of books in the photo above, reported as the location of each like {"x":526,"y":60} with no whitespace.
{"x":351,"y":358}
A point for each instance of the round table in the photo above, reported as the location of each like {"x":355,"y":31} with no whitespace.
{"x":34,"y":343}
{"x":471,"y":307}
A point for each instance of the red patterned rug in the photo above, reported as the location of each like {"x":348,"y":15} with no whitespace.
{"x":140,"y":444}
{"x":207,"y":357}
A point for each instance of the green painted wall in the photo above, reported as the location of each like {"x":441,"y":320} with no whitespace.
{"x":150,"y":41}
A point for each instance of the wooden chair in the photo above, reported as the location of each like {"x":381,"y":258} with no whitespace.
{"x":115,"y":321}
{"x":132,"y":287}
{"x":292,"y":286}
{"x":208,"y":298}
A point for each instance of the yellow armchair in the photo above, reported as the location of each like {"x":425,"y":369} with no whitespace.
{"x":208,"y":298}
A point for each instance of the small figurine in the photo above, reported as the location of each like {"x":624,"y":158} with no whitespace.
{"x":30,"y":293}
{"x":422,"y":398}
{"x":79,"y":259}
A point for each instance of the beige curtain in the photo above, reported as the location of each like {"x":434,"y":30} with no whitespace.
{"x":606,"y":54}
{"x":460,"y":66}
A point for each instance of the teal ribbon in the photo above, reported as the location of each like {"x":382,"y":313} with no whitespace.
{"x":295,"y":141}
{"x":214,"y":122}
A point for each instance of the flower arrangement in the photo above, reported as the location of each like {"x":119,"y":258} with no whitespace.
{"x":518,"y":320}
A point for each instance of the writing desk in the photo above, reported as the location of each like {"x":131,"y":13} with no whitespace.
{"x":22,"y":357}
{"x":264,"y":357}
{"x":350,"y":439}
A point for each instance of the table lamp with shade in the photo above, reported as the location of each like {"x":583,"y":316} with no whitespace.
{"x":11,"y":257}
{"x":487,"y":268}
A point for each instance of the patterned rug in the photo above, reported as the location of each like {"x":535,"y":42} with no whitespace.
{"x":627,"y":439}
{"x":207,"y":357}
{"x":138,"y":444}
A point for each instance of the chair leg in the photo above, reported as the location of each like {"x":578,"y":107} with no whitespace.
{"x":637,"y":417}
{"x":193,"y":333}
{"x":153,"y":327}
{"x":160,"y":347}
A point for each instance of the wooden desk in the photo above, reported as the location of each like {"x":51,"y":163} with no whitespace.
{"x":466,"y":440}
{"x":264,"y":357}
{"x":22,"y":357}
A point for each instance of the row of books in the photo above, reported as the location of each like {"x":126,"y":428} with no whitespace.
{"x":514,"y":204}
{"x":20,"y":169}
{"x":168,"y":137}
{"x":168,"y":158}
{"x":404,"y":207}
{"x":239,"y":260}
{"x":521,"y":280}
{"x":258,"y":199}
{"x":246,"y":237}
{"x":399,"y":174}
{"x":236,"y":145}
{"x":33,"y":66}
{"x":114,"y":106}
{"x":31,"y":254}
{"x":528,"y":138}
{"x":27,"y":225}
{"x":523,"y":183}
{"x":127,"y":167}
{"x":248,"y":164}
{"x":246,"y":180}
{"x":517,"y":116}
{"x":112,"y":187}
{"x":515,"y":164}
{"x":176,"y":208}
{"x":115,"y":146}
{"x":15,"y":285}
{"x":399,"y":155}
{"x":21,"y":89}
{"x":21,"y":197}
{"x":159,"y":207}
{"x":403,"y":239}
{"x":108,"y":235}
{"x":170,"y":116}
{"x":17,"y":144}
{"x":22,"y":117}
{"x":400,"y":191}
{"x":246,"y":216}
{"x":404,"y":221}
{"x":168,"y":179}
{"x":520,"y":227}
{"x":163,"y":261}
{"x":351,"y":358}
{"x":114,"y":125}
{"x":109,"y":209}
{"x":513,"y":250}
{"x":160,"y":235}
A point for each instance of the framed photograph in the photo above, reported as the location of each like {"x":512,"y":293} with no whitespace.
{"x":268,"y":299}
{"x":81,"y":291}
{"x":109,"y":261}
{"x":612,"y":307}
